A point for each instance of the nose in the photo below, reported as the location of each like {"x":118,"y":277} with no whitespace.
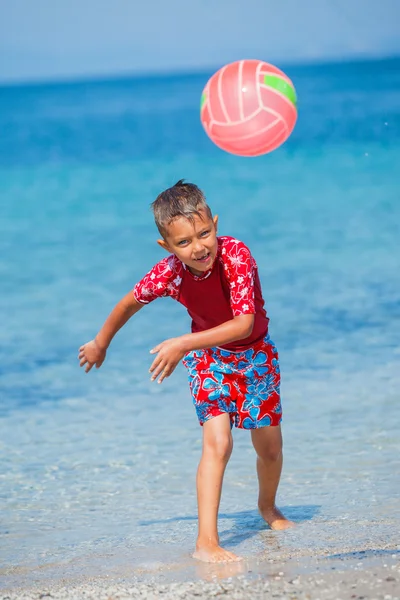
{"x":198,"y":248}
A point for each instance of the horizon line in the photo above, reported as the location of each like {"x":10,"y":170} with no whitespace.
{"x":184,"y":71}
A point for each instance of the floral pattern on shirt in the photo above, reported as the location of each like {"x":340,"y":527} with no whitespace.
{"x":164,"y":279}
{"x":239,"y":267}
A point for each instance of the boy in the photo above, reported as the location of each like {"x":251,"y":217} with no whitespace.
{"x":232,"y":363}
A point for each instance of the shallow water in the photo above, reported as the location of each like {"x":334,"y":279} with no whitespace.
{"x":98,"y":471}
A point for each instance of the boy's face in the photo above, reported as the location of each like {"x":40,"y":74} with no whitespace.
{"x":194,"y":243}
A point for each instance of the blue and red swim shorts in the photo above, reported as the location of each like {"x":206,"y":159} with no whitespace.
{"x":246,"y":385}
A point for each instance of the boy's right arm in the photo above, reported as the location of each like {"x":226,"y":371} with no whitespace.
{"x":94,"y":352}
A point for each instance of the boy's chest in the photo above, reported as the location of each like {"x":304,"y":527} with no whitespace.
{"x":207,"y":298}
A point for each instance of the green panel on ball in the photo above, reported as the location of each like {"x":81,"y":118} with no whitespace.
{"x":281,"y":86}
{"x":203,"y":100}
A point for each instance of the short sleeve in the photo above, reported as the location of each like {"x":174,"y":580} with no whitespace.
{"x":164,"y":279}
{"x":239,"y":268}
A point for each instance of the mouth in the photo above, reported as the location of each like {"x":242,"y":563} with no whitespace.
{"x":203,"y":259}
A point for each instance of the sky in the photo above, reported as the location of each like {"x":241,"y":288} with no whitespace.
{"x":67,"y":39}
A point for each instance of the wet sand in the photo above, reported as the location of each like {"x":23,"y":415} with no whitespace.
{"x":331,"y":578}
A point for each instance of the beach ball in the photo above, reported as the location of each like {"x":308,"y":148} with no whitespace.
{"x":248,"y":107}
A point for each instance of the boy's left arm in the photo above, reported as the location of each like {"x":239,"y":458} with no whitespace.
{"x":170,"y":352}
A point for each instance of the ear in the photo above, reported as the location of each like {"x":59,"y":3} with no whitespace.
{"x":164,"y":245}
{"x":215,"y":220}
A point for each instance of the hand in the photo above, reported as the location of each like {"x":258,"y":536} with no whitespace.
{"x":169,"y":354}
{"x":91,"y":354}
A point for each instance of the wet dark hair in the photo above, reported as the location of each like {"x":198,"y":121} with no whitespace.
{"x":180,"y":200}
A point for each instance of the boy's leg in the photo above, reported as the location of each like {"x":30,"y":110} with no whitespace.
{"x":267,"y":442}
{"x":217,"y":448}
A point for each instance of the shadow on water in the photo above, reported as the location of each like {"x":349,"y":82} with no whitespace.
{"x":246,"y":523}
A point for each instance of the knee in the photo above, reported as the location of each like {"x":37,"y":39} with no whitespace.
{"x":271,"y":453}
{"x":219,"y":447}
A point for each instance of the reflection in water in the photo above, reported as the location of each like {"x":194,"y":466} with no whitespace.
{"x":210,"y":572}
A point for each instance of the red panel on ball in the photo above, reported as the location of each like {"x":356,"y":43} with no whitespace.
{"x":280,"y":105}
{"x":267,"y":69}
{"x":213,"y":100}
{"x":255,"y":143}
{"x":244,"y":129}
{"x":229,"y":91}
{"x":249,"y":84}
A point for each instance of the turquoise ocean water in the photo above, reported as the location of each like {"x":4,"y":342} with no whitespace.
{"x":97,"y":471}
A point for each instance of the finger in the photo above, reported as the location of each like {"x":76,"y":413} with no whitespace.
{"x":81,"y":354}
{"x":83,"y":361}
{"x":156,"y":349}
{"x":155,"y":362}
{"x":158,"y":370}
{"x":99,"y":363}
{"x":166,"y":372}
{"x":89,"y":366}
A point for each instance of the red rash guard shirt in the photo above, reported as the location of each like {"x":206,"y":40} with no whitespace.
{"x":230,"y":288}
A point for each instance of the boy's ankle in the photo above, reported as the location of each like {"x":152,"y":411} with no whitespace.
{"x":207,"y":542}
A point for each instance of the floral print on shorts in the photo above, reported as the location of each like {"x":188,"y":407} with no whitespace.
{"x":244,"y":384}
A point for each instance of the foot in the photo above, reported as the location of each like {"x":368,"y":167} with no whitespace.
{"x":213,"y":553}
{"x":275,"y":519}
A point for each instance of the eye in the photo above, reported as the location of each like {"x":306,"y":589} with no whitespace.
{"x":182,"y":242}
{"x":204,"y":233}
